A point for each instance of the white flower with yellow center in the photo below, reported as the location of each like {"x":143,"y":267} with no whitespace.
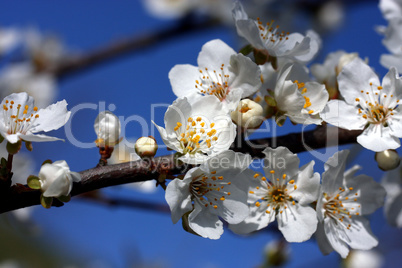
{"x":221,"y":72}
{"x":284,"y":193}
{"x":301,"y":101}
{"x":343,"y":200}
{"x":210,"y":191}
{"x":295,"y":46}
{"x":197,"y":130}
{"x":368,"y":105}
{"x":21,"y":120}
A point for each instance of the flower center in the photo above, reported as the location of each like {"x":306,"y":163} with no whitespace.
{"x":341,"y":206}
{"x":276,"y":196}
{"x":209,"y":190}
{"x":303,"y":90}
{"x":18,"y":120}
{"x":196,"y":135}
{"x":270,"y":34}
{"x":376,"y":107}
{"x":213,"y":83}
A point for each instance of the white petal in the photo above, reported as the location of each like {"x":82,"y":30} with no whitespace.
{"x":354,"y":77}
{"x":360,"y":235}
{"x":205,"y":224}
{"x":378,"y":138}
{"x":343,"y":115}
{"x":332,"y":232}
{"x":213,"y":54}
{"x":297,"y":223}
{"x":393,"y":211}
{"x":170,"y":141}
{"x":389,"y":61}
{"x":308,"y":185}
{"x":318,"y":96}
{"x":322,"y":240}
{"x":234,"y":208}
{"x":182,"y":78}
{"x":257,"y":219}
{"x":333,"y":176}
{"x":371,"y":195}
{"x":247,"y":75}
{"x":392,"y":83}
{"x":282,"y":160}
{"x":178,"y":197}
{"x":179,"y":111}
{"x":52,"y":117}
{"x":38,"y":138}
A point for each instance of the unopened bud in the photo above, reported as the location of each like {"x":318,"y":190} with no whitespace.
{"x":146,"y":147}
{"x":387,"y":160}
{"x":107,"y":128}
{"x":344,"y":60}
{"x":248,"y":114}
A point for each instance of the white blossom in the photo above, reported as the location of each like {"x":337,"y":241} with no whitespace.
{"x":393,"y":42}
{"x":197,"y":130}
{"x":9,"y":38}
{"x":295,"y":46}
{"x":248,"y":114}
{"x":300,"y":100}
{"x":221,"y":72}
{"x":391,"y":9}
{"x":368,"y":105}
{"x":392,"y":182}
{"x":21,"y":120}
{"x":107,"y":128}
{"x":284,"y":193}
{"x":344,"y":198}
{"x":22,"y":77}
{"x":209,"y":192}
{"x":56,"y":179}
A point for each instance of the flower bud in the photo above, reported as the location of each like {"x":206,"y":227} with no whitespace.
{"x":248,"y":114}
{"x":387,"y":160}
{"x":146,"y":147}
{"x":344,"y":60}
{"x":107,"y":128}
{"x":56,"y":179}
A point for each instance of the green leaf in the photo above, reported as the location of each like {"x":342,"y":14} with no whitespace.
{"x":28,"y":145}
{"x":246,"y":50}
{"x":46,"y":202}
{"x":280,"y":118}
{"x":270,"y":100}
{"x":13,"y":148}
{"x":64,"y":198}
{"x":33,"y":182}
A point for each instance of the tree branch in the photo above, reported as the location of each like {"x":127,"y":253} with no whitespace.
{"x":72,"y":64}
{"x":144,"y":170}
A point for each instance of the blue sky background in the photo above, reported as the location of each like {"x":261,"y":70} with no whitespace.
{"x":118,"y":236}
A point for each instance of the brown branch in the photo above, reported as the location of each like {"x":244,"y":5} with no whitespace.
{"x":72,"y":64}
{"x":144,"y":170}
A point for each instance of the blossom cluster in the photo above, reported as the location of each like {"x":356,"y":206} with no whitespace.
{"x":270,"y":78}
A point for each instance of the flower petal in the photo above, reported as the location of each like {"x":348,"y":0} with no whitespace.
{"x":182,"y":78}
{"x":247,"y":75}
{"x":213,"y":54}
{"x":52,"y":117}
{"x":205,"y":224}
{"x":297,"y":223}
{"x":343,"y":115}
{"x":178,"y":197}
{"x":378,"y":138}
{"x":256,"y":220}
{"x":354,"y":77}
{"x":308,"y":185}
